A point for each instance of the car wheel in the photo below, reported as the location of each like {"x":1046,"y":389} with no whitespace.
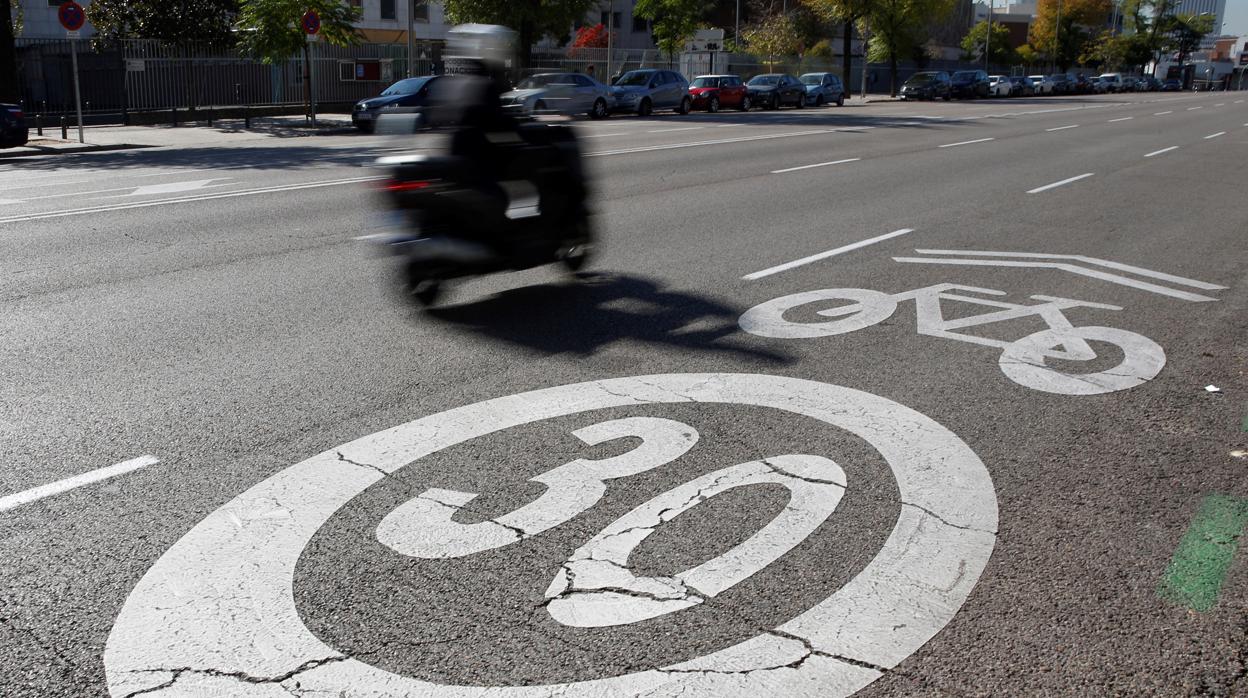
{"x":745,"y":103}
{"x":775,"y":102}
{"x":801,"y":102}
{"x":713,"y":105}
{"x":644,"y":108}
{"x":599,"y":110}
{"x":840,"y":100}
{"x":947,"y":97}
{"x":819,"y":101}
{"x":539,"y":107}
{"x":685,"y":105}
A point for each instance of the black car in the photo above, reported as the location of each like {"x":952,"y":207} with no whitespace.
{"x":13,"y":131}
{"x":969,"y":84}
{"x":1171,"y":85}
{"x":1082,"y":86}
{"x":928,"y":85}
{"x":1062,"y":84}
{"x":406,"y":93}
{"x":1020,"y":86}
{"x":774,"y":90}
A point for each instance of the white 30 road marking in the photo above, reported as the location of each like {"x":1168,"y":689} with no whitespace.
{"x":1054,"y":185}
{"x":818,"y":164}
{"x":217,"y":613}
{"x":69,"y":483}
{"x":824,"y":255}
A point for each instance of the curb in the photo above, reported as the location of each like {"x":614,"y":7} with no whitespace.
{"x":70,"y":150}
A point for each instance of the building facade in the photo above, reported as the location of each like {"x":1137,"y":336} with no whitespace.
{"x":1217,"y":8}
{"x":385,"y":21}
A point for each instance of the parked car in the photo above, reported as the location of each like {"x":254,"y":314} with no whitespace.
{"x":1042,"y":84}
{"x":1113,"y":82}
{"x":1150,"y":83}
{"x":823,"y":88}
{"x":969,"y":84}
{"x":927,"y":85}
{"x":406,"y":93}
{"x":642,"y":91}
{"x":1098,"y":87}
{"x":1062,"y":84}
{"x":774,"y":90}
{"x":710,"y":92}
{"x":559,"y":93}
{"x":1000,"y":86}
{"x":1022,"y":86}
{"x":1081,"y":85}
{"x":13,"y":129}
{"x":1171,"y":85}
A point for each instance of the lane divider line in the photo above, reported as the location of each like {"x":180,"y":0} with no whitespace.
{"x":1061,"y":128}
{"x":1125,"y":118}
{"x":1163,"y":150}
{"x":673,"y":130}
{"x":1054,"y":185}
{"x":1220,"y":104}
{"x":69,"y":483}
{"x":1194,"y":108}
{"x":1163,"y":113}
{"x":1199,"y":565}
{"x":717,"y":141}
{"x":1215,"y":135}
{"x":818,"y":164}
{"x":824,"y":255}
{"x":977,"y":140}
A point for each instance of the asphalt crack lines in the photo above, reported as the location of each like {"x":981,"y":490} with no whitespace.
{"x":241,"y":676}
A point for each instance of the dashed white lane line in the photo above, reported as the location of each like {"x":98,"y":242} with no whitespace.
{"x":1125,"y":118}
{"x":1220,"y":104}
{"x":1061,"y":128}
{"x":1054,"y":185}
{"x":1215,"y":135}
{"x":818,"y":164}
{"x":717,"y":141}
{"x":69,"y":483}
{"x":1194,"y":108}
{"x":977,"y":140}
{"x":1163,"y":113}
{"x":824,"y":255}
{"x":1239,"y":101}
{"x":673,"y":130}
{"x":1163,"y":150}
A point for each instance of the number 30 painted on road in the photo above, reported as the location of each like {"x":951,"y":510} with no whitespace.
{"x":216,"y":614}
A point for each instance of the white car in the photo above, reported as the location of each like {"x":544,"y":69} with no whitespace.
{"x":1112,"y":82}
{"x":999,"y":86}
{"x":1043,"y":84}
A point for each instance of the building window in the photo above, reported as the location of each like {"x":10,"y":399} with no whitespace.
{"x":640,"y":25}
{"x":614,"y":20}
{"x":420,"y":10}
{"x":387,"y":9}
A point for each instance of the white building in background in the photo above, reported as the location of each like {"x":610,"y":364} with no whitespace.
{"x":39,"y":20}
{"x":385,"y":21}
{"x":1217,"y":8}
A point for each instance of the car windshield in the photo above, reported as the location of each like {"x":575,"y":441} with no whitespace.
{"x":536,"y":81}
{"x":812,"y":79}
{"x":921,"y":79}
{"x":705,"y":82}
{"x":765,"y":80}
{"x":964,"y":75}
{"x":635,"y":78}
{"x":410,"y":86}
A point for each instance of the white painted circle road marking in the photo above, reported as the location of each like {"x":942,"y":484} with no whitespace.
{"x":216,"y":614}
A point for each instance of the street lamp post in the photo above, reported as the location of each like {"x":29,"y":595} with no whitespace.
{"x":411,"y":38}
{"x":988,"y":38}
{"x":1057,"y":31}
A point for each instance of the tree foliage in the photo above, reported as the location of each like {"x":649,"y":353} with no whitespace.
{"x":998,"y":47}
{"x":596,"y":36}
{"x":1064,"y":39}
{"x":847,"y":13}
{"x":270,"y":29}
{"x":532,"y":19}
{"x":773,"y":36}
{"x":171,"y":21}
{"x":898,"y":30}
{"x":673,"y":22}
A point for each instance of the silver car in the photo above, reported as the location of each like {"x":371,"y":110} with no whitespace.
{"x":643,"y":91}
{"x":559,"y":93}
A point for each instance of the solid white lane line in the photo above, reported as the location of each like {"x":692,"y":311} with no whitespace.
{"x":1163,"y":150}
{"x":1194,"y":108}
{"x":818,"y":164}
{"x":977,"y":140}
{"x":671,"y":130}
{"x":1215,"y":135}
{"x":1163,"y":113}
{"x":1047,"y":187}
{"x":69,"y":483}
{"x":184,"y":199}
{"x":1061,"y":128}
{"x":608,"y":135}
{"x":1125,"y":118}
{"x":717,"y":141}
{"x":824,"y":255}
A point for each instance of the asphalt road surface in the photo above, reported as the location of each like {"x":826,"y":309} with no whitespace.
{"x":904,"y":399}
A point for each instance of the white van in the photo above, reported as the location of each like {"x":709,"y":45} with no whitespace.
{"x":1112,"y":81}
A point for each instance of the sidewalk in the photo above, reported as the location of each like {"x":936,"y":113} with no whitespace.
{"x":222,"y":132}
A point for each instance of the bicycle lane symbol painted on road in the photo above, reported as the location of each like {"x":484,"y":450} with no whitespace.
{"x":216,"y":613}
{"x":1022,"y":360}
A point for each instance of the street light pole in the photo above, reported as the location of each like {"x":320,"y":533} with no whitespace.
{"x":610,"y":35}
{"x":411,"y":38}
{"x":988,"y":38}
{"x":1057,"y":30}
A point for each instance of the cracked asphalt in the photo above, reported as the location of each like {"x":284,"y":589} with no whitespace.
{"x":355,"y":497}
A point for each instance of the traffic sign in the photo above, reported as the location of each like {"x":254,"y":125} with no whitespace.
{"x":71,"y":16}
{"x":311,"y":22}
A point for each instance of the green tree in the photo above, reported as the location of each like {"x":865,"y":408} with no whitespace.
{"x":998,"y":47}
{"x":848,"y":13}
{"x":774,"y":36}
{"x":898,"y":29}
{"x":531,"y":19}
{"x":1185,"y":33}
{"x":1061,"y":28}
{"x":673,"y":22}
{"x":270,"y":31}
{"x":9,"y":90}
{"x":171,"y":21}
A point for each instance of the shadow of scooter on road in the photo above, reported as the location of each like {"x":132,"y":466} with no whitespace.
{"x":584,"y":316}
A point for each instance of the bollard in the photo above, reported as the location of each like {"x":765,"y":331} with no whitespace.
{"x":39,"y":124}
{"x":125,"y":116}
{"x":64,"y":128}
{"x":210,"y":116}
{"x":175,"y":116}
{"x":246,"y":116}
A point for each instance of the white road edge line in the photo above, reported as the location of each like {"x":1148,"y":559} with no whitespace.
{"x":672,"y":130}
{"x":717,"y":141}
{"x":1125,"y":118}
{"x":818,"y":164}
{"x":1061,"y":128}
{"x":824,"y":255}
{"x":1047,"y":187}
{"x":977,"y":140}
{"x":1215,"y":135}
{"x":1163,"y":150}
{"x":69,"y":483}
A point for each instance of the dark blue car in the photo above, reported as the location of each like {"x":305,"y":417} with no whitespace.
{"x":406,"y":93}
{"x":13,"y":130}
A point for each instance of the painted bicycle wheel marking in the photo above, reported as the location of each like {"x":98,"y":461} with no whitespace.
{"x":216,"y":613}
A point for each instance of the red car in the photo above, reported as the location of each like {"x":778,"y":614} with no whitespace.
{"x":711,"y":92}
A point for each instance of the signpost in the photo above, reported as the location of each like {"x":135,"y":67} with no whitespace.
{"x":72,"y":18}
{"x":311,"y":23}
